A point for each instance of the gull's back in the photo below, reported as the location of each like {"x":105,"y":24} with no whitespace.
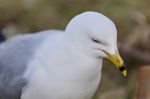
{"x":15,"y":55}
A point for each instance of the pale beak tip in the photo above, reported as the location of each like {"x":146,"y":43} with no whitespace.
{"x":123,"y":70}
{"x":124,"y":73}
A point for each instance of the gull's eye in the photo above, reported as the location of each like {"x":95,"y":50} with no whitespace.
{"x":96,"y":41}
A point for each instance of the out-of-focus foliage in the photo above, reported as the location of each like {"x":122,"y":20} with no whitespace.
{"x":132,"y":18}
{"x":34,"y":15}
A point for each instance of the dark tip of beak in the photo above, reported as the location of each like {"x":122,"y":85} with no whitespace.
{"x":122,"y":68}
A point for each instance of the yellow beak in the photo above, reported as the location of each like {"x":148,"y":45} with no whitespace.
{"x":117,"y":61}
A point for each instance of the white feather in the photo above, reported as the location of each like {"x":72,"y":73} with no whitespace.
{"x":66,"y":64}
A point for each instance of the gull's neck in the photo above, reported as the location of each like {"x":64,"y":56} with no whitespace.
{"x":66,"y":60}
{"x":81,"y":55}
{"x":85,"y":69}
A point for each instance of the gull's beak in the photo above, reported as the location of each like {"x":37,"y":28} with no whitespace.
{"x":117,"y":61}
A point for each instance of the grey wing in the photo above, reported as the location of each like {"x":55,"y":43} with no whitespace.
{"x":15,"y":54}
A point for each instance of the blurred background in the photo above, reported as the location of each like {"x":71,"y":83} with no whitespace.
{"x":132,"y":18}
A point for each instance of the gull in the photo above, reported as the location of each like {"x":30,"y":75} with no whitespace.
{"x":57,"y":64}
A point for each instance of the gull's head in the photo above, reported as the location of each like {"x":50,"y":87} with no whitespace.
{"x":96,"y":35}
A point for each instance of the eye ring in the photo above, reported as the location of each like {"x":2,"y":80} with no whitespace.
{"x":96,"y":41}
